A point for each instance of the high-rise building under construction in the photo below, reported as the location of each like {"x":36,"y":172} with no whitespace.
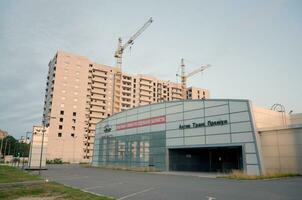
{"x":79,"y":93}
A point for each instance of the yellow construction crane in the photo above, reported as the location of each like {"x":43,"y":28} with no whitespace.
{"x":184,"y":77}
{"x":121,"y":47}
{"x":116,"y":107}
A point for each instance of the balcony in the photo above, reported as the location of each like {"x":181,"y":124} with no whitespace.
{"x":100,"y":80}
{"x":148,"y":89}
{"x":176,"y":98}
{"x":127,"y":97}
{"x":146,"y":79}
{"x":126,"y":86}
{"x":145,"y":83}
{"x":127,"y":81}
{"x":126,"y":105}
{"x":176,"y":95}
{"x":91,"y":134}
{"x":143,"y":98}
{"x":177,"y":91}
{"x":99,"y":85}
{"x":91,"y":129}
{"x":127,"y":102}
{"x":97,"y":103}
{"x":97,"y":96}
{"x":96,"y":114}
{"x":126,"y":93}
{"x":143,"y":93}
{"x":98,"y":91}
{"x":97,"y":109}
{"x":98,"y":73}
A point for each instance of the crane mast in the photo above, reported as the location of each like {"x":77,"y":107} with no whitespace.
{"x":116,"y":106}
{"x":183,"y":80}
{"x":185,"y":76}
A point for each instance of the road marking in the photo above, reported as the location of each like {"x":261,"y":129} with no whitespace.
{"x":85,"y":190}
{"x":136,"y":193}
{"x":101,"y":186}
{"x":210,"y":198}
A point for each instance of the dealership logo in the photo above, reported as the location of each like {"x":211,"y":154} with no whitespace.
{"x":198,"y":125}
{"x":107,"y":128}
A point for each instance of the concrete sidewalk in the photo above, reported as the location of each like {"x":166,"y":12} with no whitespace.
{"x":194,"y":174}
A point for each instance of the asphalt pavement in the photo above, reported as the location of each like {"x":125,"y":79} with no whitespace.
{"x":156,"y":186}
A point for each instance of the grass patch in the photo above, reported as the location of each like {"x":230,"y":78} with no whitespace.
{"x":48,"y":190}
{"x":240,"y":175}
{"x":10,"y":174}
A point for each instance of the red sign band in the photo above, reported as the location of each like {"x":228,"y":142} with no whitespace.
{"x":142,"y":122}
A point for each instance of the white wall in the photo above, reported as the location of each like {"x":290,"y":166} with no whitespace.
{"x":35,"y":148}
{"x":295,"y":118}
{"x":282,"y":150}
{"x":265,"y":118}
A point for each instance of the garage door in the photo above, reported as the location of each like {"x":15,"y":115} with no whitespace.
{"x":210,"y":159}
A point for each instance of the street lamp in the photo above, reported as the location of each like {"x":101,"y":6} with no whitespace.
{"x":43,"y":132}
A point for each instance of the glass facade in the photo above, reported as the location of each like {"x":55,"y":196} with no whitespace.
{"x":138,"y":150}
{"x":142,"y":136}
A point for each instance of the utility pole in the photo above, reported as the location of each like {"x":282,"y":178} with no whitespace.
{"x":43,"y":132}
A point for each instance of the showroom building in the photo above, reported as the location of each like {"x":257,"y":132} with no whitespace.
{"x":215,"y":135}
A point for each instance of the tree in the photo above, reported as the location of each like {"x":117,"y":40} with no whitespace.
{"x":11,"y":146}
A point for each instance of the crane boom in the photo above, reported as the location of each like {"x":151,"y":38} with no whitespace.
{"x":133,"y":37}
{"x":184,"y":77}
{"x":200,"y":69}
{"x":121,"y":47}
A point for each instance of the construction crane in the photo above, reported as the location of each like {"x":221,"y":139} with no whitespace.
{"x":116,"y":106}
{"x":121,"y":47}
{"x":184,"y":77}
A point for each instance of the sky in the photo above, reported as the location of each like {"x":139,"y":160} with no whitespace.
{"x":254,"y":47}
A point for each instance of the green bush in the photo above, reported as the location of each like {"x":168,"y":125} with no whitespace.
{"x":55,"y":161}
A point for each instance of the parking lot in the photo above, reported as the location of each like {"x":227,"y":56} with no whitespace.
{"x":138,"y":185}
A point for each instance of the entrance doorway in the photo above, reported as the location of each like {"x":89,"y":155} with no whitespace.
{"x":206,"y":159}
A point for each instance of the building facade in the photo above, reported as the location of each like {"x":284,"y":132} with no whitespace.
{"x":197,"y":135}
{"x":80,"y":93}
